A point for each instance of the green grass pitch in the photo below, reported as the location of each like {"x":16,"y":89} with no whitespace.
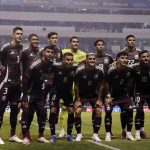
{"x":63,"y":144}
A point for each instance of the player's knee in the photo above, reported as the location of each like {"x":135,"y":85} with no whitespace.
{"x":98,"y":112}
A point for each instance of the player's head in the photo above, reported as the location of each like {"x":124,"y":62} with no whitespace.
{"x":122,"y":58}
{"x":17,"y":34}
{"x":33,"y":40}
{"x":99,"y":45}
{"x":74,"y":43}
{"x":52,"y":38}
{"x":144,"y":57}
{"x":48,"y":53}
{"x":90,"y":59}
{"x":68,"y":59}
{"x":130,"y":41}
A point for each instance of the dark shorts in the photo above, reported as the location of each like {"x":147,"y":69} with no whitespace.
{"x":92,"y":101}
{"x":141,"y":99}
{"x":10,"y":93}
{"x":123,"y":103}
{"x":55,"y":98}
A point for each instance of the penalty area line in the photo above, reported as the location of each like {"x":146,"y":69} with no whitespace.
{"x":103,"y":145}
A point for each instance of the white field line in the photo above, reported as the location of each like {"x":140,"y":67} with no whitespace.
{"x":103,"y":145}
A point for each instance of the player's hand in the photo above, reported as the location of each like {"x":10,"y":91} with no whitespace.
{"x":19,"y":105}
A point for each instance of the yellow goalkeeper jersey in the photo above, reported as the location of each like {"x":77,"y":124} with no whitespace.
{"x":79,"y":55}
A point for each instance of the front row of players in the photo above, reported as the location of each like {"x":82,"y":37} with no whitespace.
{"x":118,"y":87}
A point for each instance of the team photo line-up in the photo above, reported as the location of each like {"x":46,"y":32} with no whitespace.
{"x":72,"y":77}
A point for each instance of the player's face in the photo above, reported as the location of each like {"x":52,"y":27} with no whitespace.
{"x":53,"y":40}
{"x":100,"y":47}
{"x":17,"y":36}
{"x":68,"y":61}
{"x":48,"y":54}
{"x":34,"y":41}
{"x":145,"y":58}
{"x":131,"y":42}
{"x":91,"y":60}
{"x":74,"y":43}
{"x":123,"y":60}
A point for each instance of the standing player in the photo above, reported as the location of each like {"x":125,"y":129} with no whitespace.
{"x":79,"y":58}
{"x":10,"y":57}
{"x":79,"y":55}
{"x":133,"y":60}
{"x":29,"y":55}
{"x":102,"y":60}
{"x":89,"y":81}
{"x":119,"y":80}
{"x":34,"y":98}
{"x":63,"y":83}
{"x":142,"y":88}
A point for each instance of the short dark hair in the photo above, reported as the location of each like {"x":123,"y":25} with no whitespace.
{"x":142,"y":52}
{"x":128,"y":36}
{"x":31,"y":35}
{"x":67,"y":54}
{"x":89,"y":54}
{"x":51,"y":34}
{"x":17,"y":28}
{"x":122,"y":53}
{"x":99,"y":40}
{"x":49,"y":47}
{"x":73,"y":37}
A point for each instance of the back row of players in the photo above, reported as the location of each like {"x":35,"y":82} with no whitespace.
{"x":97,"y":79}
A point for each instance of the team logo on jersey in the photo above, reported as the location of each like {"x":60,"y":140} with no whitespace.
{"x":136,"y":56}
{"x":84,"y":77}
{"x":31,"y":55}
{"x":60,"y":73}
{"x":106,"y":61}
{"x":96,"y":76}
{"x":128,"y":74}
{"x":12,"y":52}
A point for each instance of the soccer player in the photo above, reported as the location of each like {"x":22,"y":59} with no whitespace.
{"x":34,"y":98}
{"x":29,"y":55}
{"x":102,"y":60}
{"x":79,"y":55}
{"x":89,"y":81}
{"x":10,"y":57}
{"x":63,"y":83}
{"x":3,"y":92}
{"x":133,"y":59}
{"x":119,"y":80}
{"x":142,"y":88}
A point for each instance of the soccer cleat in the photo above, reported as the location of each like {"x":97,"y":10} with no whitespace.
{"x":25,"y":141}
{"x":61,"y":134}
{"x":112,"y":135}
{"x":1,"y":141}
{"x":137,"y":136}
{"x":108,"y":137}
{"x":96,"y":138}
{"x":130,"y":137}
{"x":15,"y":139}
{"x":69,"y":138}
{"x":53,"y":138}
{"x":143,"y":134}
{"x":78,"y":137}
{"x":43,"y":140}
{"x":123,"y":134}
